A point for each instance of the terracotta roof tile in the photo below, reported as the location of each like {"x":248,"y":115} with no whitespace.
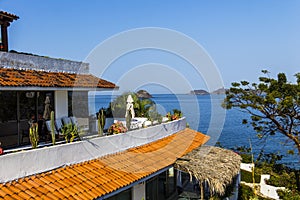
{"x":10,"y":77}
{"x":95,"y":178}
{"x":22,"y":195}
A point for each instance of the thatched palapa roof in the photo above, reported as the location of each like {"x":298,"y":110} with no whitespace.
{"x":214,"y":165}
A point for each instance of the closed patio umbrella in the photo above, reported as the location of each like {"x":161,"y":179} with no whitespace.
{"x":129,"y":107}
{"x":47,"y":110}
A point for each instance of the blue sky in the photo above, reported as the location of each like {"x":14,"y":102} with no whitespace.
{"x":241,"y":37}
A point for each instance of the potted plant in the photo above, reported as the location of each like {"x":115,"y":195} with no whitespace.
{"x":116,"y":128}
{"x":1,"y":150}
{"x":177,"y":114}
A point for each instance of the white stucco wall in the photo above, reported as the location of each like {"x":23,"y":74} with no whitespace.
{"x":268,"y":190}
{"x":61,"y":103}
{"x":247,"y":166}
{"x":139,"y":191}
{"x":29,"y":162}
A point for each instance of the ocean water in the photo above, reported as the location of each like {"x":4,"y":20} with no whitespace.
{"x":205,"y":114}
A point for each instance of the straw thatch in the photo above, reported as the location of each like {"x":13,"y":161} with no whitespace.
{"x":214,"y":165}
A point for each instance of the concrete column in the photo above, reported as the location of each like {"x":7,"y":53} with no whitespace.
{"x":61,"y":103}
{"x":139,"y":191}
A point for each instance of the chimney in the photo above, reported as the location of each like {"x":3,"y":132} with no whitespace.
{"x":5,"y":20}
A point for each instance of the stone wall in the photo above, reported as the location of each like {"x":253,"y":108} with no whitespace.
{"x":24,"y":61}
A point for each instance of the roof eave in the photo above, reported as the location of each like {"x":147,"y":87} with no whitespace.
{"x":56,"y":89}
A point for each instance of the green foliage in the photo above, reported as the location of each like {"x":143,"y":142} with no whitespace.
{"x":144,"y":107}
{"x":52,"y":125}
{"x":70,"y":132}
{"x":247,"y":177}
{"x":155,"y":116}
{"x":177,"y":114}
{"x":283,"y":178}
{"x":288,"y":194}
{"x":243,"y":151}
{"x":267,"y":163}
{"x":268,"y":158}
{"x":274,"y":105}
{"x":246,"y":193}
{"x":34,"y":135}
{"x":117,"y":108}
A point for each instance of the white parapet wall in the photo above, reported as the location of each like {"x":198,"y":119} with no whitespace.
{"x":247,"y":166}
{"x":25,"y":61}
{"x":268,"y":190}
{"x":20,"y":164}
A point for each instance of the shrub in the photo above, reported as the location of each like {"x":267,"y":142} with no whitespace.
{"x":283,"y":179}
{"x":288,"y":194}
{"x":247,"y":177}
{"x":246,"y":193}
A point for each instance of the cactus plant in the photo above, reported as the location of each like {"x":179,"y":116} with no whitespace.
{"x":34,"y":135}
{"x":52,"y":127}
{"x":101,"y":121}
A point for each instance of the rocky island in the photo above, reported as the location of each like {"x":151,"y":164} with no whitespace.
{"x":143,"y":94}
{"x":199,"y":92}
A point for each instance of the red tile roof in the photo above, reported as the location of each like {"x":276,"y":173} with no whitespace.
{"x":10,"y":77}
{"x":98,"y":177}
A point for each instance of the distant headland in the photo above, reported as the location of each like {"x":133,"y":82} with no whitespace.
{"x":204,"y":92}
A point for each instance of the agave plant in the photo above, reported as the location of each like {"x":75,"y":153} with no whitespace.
{"x":70,"y":132}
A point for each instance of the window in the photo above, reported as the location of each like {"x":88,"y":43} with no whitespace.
{"x":162,"y":186}
{"x":78,"y":104}
{"x":152,"y":189}
{"x":124,"y":195}
{"x":16,"y":109}
{"x":8,"y":106}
